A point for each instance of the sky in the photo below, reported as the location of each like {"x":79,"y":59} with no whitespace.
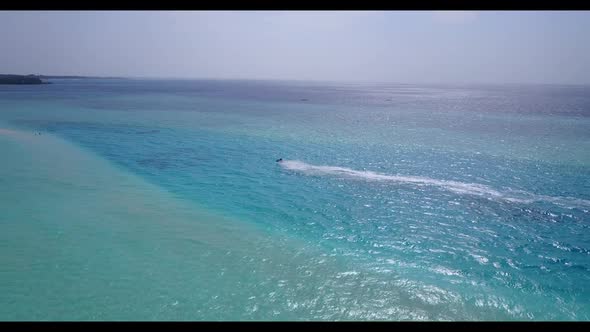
{"x":378,"y":46}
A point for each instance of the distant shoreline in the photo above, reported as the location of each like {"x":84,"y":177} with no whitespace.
{"x":13,"y":79}
{"x":20,"y":79}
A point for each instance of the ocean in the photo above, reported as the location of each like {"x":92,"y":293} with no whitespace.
{"x":136,"y":199}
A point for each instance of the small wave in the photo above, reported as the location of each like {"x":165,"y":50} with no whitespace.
{"x":453,"y":186}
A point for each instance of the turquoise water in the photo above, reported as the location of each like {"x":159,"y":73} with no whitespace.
{"x":162,"y":200}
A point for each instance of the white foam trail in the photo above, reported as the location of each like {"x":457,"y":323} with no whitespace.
{"x":453,"y":186}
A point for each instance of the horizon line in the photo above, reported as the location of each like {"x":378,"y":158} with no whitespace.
{"x":357,"y":81}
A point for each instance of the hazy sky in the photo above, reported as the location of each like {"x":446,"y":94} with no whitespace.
{"x":403,"y":46}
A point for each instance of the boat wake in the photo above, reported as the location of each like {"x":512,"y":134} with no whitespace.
{"x":475,"y":189}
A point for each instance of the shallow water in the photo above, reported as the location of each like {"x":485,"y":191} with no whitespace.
{"x":162,"y":200}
